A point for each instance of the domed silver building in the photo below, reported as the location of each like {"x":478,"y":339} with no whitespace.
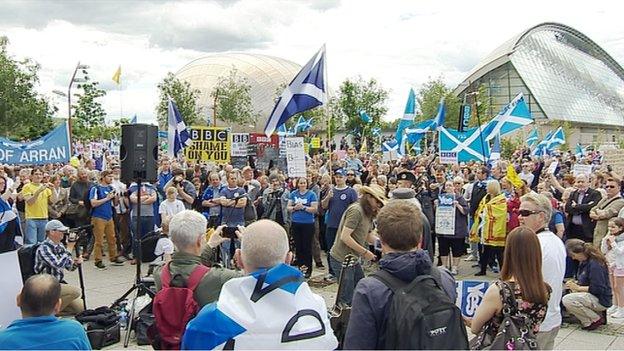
{"x":264,"y":73}
{"x":564,"y":76}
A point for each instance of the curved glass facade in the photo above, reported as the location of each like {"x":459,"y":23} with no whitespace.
{"x":563,"y":74}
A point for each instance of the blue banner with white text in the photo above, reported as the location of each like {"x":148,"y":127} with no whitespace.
{"x":51,"y":148}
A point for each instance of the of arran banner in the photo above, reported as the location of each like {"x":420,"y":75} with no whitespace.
{"x":51,"y":148}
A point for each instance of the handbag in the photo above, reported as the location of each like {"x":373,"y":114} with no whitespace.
{"x":102,"y":326}
{"x":515,"y":331}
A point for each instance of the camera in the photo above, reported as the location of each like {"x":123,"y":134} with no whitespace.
{"x":229,"y":233}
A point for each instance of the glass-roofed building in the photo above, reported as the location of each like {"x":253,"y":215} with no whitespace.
{"x":563,"y":75}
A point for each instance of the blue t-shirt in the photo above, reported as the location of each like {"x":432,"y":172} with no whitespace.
{"x":44,"y":333}
{"x":163,"y":179}
{"x":338,"y":205}
{"x":212,"y":193}
{"x":105,"y":210}
{"x":232,"y":216}
{"x":302,"y":216}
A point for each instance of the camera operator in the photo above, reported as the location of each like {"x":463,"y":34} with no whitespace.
{"x":186,"y":189}
{"x":275,"y":200}
{"x":53,"y":258}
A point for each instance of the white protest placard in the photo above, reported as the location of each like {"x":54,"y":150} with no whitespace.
{"x":389,"y":156}
{"x":448,"y":157}
{"x":295,"y":157}
{"x":10,"y":286}
{"x":239,"y":144}
{"x":445,"y":215}
{"x":552,"y":167}
{"x":582,"y":169}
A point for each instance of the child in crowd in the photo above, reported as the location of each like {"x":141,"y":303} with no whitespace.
{"x":613,"y":248}
{"x":171,"y":206}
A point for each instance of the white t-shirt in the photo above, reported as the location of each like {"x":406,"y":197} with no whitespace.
{"x":553,"y":270}
{"x":170,"y":208}
{"x":163,"y":246}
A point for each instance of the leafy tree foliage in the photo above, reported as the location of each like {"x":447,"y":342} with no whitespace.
{"x":88,"y":118}
{"x":24,"y":114}
{"x":233,"y":98}
{"x":185,"y":97}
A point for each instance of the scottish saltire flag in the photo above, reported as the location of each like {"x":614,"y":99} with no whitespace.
{"x":556,"y":140}
{"x":306,"y":91}
{"x":414,"y":135}
{"x":134,"y":119}
{"x":283,"y":132}
{"x":365,"y":117}
{"x":390,"y":145}
{"x":532,"y":138}
{"x":270,"y":309}
{"x":303,"y":124}
{"x":6,"y":215}
{"x":376,"y":131}
{"x":513,"y":116}
{"x":542,"y":147}
{"x":580,"y":151}
{"x":495,"y":155}
{"x":178,"y":136}
{"x":408,"y":116}
{"x":468,"y":144}
{"x":440,"y":117}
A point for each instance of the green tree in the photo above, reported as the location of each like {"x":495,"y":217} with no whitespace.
{"x":88,"y":117}
{"x":185,"y":97}
{"x":233,"y":98}
{"x":355,"y":95}
{"x":24,"y":114}
{"x":483,"y":107}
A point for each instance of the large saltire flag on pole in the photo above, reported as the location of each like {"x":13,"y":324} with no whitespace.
{"x":178,"y":135}
{"x":542,"y":147}
{"x":306,"y":91}
{"x":408,"y":117}
{"x":467,"y":145}
{"x":440,"y":117}
{"x":513,"y":116}
{"x":557,"y":139}
{"x":415,"y":135}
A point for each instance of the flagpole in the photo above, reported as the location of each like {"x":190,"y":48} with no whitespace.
{"x":476,"y":104}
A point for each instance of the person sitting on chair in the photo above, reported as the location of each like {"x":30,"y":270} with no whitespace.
{"x":53,"y":258}
{"x":39,"y":329}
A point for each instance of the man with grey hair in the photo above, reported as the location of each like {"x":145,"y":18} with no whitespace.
{"x":535,"y":212}
{"x":262,"y":310}
{"x":187,"y":230}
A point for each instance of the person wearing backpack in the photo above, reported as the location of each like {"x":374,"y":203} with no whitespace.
{"x":381,"y":319}
{"x":516,"y":302}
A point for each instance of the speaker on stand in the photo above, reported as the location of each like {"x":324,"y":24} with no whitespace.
{"x":138,"y":155}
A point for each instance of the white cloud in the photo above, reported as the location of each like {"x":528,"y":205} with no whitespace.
{"x":400,"y":43}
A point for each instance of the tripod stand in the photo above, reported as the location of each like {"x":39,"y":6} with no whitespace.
{"x":139,"y":286}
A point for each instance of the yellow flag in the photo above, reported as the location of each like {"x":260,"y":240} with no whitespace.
{"x":117,"y":75}
{"x":364,"y":148}
{"x":513,"y":177}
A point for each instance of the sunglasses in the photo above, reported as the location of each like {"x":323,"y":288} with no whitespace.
{"x":526,"y":213}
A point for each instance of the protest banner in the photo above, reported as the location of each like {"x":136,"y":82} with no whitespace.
{"x":552,"y":167}
{"x":448,"y":157}
{"x":582,"y":169}
{"x":211,"y":144}
{"x":51,"y":148}
{"x":295,"y":156}
{"x":315,"y":143}
{"x":10,"y":286}
{"x":266,"y":150}
{"x":615,"y":158}
{"x":445,"y":215}
{"x":238,"y":162}
{"x":239,"y":144}
{"x":470,"y":295}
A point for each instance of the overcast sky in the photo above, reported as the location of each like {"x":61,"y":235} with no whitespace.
{"x":400,"y":43}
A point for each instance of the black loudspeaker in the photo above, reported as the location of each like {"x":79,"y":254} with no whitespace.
{"x":139,"y":152}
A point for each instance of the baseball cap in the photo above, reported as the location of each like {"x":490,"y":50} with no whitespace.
{"x":55,"y":225}
{"x":340,"y":172}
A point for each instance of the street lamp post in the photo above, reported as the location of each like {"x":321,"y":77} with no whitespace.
{"x":69,"y":113}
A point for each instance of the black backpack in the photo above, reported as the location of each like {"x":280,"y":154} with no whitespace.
{"x":87,"y":199}
{"x":148,"y":245}
{"x":422,"y":316}
{"x":26,"y":256}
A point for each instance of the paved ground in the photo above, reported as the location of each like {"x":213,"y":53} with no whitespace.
{"x":105,"y":286}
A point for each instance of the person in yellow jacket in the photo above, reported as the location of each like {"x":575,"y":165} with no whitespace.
{"x":489,"y":228}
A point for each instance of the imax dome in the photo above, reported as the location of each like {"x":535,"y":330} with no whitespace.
{"x":563,"y":74}
{"x":265,"y":74}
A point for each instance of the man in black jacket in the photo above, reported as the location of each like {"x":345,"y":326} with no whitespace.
{"x":478,"y":190}
{"x":579,"y":225}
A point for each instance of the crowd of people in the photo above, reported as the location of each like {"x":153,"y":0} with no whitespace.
{"x":552,"y":236}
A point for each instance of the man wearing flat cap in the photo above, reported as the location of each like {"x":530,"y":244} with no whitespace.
{"x":405,"y":179}
{"x":53,"y":258}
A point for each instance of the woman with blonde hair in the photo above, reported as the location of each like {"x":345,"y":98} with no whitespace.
{"x":521,"y":275}
{"x":489,"y":228}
